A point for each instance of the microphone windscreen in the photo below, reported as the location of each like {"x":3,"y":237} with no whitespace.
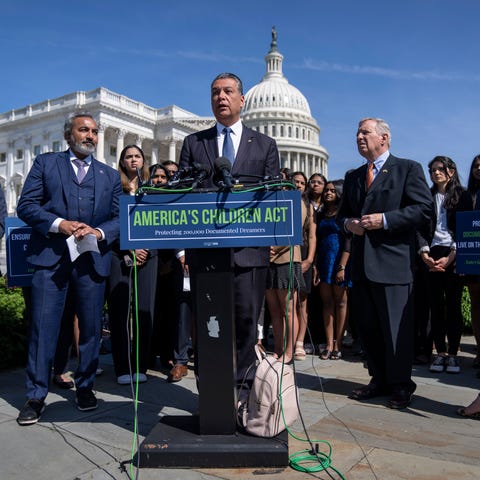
{"x":222,"y":163}
{"x":201,"y":167}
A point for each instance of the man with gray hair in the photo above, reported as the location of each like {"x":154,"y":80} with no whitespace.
{"x":383,"y":204}
{"x":68,"y":197}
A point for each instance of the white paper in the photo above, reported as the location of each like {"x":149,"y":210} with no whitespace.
{"x":77,"y":247}
{"x":186,"y":283}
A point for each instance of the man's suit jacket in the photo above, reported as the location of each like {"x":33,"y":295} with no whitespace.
{"x":45,"y":197}
{"x":401,"y":193}
{"x":257,"y":155}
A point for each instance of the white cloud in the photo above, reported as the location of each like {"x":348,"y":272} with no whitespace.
{"x":320,"y":65}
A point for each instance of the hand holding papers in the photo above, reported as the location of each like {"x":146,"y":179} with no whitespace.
{"x":77,"y":247}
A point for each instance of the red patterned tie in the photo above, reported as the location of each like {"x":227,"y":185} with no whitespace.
{"x":369,"y":177}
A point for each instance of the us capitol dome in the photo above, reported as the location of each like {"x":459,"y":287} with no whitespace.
{"x":280,"y":110}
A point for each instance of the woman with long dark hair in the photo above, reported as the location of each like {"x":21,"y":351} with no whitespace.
{"x":438,"y":252}
{"x":308,"y":256}
{"x":333,"y":254}
{"x":315,"y":186}
{"x":120,"y":288}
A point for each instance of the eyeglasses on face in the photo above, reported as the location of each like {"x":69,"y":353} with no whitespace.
{"x":316,"y":182}
{"x":437,"y":169}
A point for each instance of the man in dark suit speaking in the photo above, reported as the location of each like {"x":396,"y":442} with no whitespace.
{"x":68,"y":194}
{"x":383,"y":203}
{"x":250,"y":153}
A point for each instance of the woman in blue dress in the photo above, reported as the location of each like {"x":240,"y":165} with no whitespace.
{"x":332,"y":270}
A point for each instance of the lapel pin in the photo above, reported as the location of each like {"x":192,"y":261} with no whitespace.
{"x":384,"y":171}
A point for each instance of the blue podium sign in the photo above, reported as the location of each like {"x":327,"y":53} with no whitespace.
{"x":211,"y":220}
{"x":19,"y":271}
{"x":468,"y":242}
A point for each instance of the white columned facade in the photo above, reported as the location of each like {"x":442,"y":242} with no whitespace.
{"x":100,"y":152}
{"x":154,"y":153}
{"x":9,"y":194}
{"x":45,"y":146}
{"x":120,"y":143}
{"x":27,"y":155}
{"x":172,"y":150}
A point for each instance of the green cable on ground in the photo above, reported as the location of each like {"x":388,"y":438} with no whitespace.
{"x":307,"y":461}
{"x":137,"y":366}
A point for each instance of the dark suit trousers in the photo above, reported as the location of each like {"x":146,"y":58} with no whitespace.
{"x":385,"y":321}
{"x":249,"y":291}
{"x":121,"y":301}
{"x":65,"y":337}
{"x":49,"y":293}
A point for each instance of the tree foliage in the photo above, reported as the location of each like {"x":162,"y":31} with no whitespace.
{"x":13,"y":328}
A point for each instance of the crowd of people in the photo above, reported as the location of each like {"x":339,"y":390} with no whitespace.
{"x":377,"y":259}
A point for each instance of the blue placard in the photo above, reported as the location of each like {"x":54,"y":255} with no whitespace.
{"x":211,"y":220}
{"x":19,"y":271}
{"x":468,"y":242}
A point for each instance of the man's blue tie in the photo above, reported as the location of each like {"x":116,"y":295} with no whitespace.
{"x":227,"y":150}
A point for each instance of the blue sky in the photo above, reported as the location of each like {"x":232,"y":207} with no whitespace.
{"x":415,"y":63}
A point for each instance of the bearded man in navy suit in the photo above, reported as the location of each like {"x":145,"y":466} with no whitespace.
{"x":383,"y":204}
{"x":68,"y":194}
{"x":255,"y":155}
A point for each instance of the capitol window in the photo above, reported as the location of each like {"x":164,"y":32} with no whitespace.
{"x":56,"y":146}
{"x":19,"y":154}
{"x":36,"y":150}
{"x":113,"y":151}
{"x":3,"y":157}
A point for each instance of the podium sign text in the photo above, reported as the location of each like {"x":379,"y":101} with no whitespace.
{"x":211,"y":220}
{"x":468,"y":242}
{"x":17,"y":234}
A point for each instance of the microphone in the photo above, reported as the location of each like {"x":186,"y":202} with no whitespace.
{"x":224,"y":167}
{"x":141,"y":183}
{"x":175,"y":179}
{"x":267,"y":178}
{"x":201,"y":173}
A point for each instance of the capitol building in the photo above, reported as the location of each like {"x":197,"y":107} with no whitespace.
{"x":273,"y":107}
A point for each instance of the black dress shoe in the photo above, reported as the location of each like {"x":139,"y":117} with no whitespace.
{"x":65,"y":384}
{"x":86,"y":400}
{"x":31,"y":411}
{"x":400,"y":399}
{"x":369,"y":391}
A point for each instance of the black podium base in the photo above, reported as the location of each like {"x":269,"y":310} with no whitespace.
{"x":175,"y":442}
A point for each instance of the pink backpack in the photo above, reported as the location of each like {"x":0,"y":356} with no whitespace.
{"x":268,"y":411}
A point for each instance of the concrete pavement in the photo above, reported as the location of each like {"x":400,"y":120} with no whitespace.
{"x":424,"y":442}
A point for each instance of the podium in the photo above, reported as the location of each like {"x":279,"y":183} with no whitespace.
{"x":212,"y":224}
